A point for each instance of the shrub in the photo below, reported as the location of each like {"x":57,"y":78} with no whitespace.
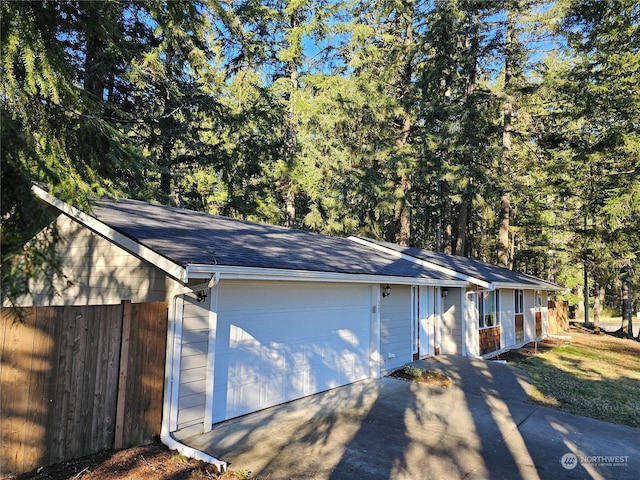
{"x":412,"y":371}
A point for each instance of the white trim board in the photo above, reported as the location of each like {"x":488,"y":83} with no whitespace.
{"x":134,"y":248}
{"x":228,"y":272}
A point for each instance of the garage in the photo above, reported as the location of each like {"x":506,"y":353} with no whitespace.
{"x":280,"y":341}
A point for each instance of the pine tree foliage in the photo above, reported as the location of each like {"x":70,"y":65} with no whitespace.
{"x":501,"y":130}
{"x":591,"y":139}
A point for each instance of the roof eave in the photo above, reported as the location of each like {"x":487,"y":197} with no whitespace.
{"x":229,"y":272}
{"x":134,"y":248}
{"x":528,"y":286}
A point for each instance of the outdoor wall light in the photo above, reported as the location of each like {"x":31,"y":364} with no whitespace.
{"x":386,"y":292}
{"x":444,"y":292}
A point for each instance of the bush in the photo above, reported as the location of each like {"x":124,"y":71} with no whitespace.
{"x":412,"y":371}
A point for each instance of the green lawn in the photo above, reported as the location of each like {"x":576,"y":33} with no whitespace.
{"x":595,"y":376}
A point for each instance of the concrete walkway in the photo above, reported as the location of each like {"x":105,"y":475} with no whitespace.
{"x":480,"y":428}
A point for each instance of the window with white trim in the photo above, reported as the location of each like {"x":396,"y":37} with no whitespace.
{"x":488,"y":308}
{"x":519,"y":301}
{"x":538,"y":297}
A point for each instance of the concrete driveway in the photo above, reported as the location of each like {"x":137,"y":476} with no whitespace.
{"x":480,"y":428}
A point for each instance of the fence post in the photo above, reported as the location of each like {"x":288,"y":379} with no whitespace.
{"x":122,"y":376}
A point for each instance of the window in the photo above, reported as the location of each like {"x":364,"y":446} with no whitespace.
{"x":538,"y":299}
{"x":519,"y":301}
{"x":488,"y":308}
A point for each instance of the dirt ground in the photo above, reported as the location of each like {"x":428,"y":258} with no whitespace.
{"x":150,"y":462}
{"x":156,"y":462}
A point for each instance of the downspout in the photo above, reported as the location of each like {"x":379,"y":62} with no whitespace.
{"x":166,"y":437}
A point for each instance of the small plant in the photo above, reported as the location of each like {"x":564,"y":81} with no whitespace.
{"x":178,"y":458}
{"x":412,"y":371}
{"x":235,"y":475}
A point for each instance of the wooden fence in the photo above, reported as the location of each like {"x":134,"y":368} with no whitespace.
{"x":558,"y":316}
{"x":78,"y":380}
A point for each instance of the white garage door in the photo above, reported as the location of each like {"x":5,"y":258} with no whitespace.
{"x":279,"y":341}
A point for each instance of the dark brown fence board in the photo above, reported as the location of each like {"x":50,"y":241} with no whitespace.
{"x":52,"y":327}
{"x":11,"y":394}
{"x":558,"y":316}
{"x":37,"y":386}
{"x":59,"y":382}
{"x":123,"y":374}
{"x":146,"y":373}
{"x":111,"y":384}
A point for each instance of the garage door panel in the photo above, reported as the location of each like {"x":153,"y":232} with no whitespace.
{"x":255,"y":299}
{"x":274,"y":357}
{"x":304,"y":340}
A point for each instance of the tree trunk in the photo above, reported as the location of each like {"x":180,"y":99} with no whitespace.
{"x":166,"y":165}
{"x":627,"y":301}
{"x":445,"y":217}
{"x":291,"y":142}
{"x":403,"y":213}
{"x":463,"y":220}
{"x":471,"y":71}
{"x":94,"y":68}
{"x":505,"y":171}
{"x":403,"y":131}
{"x":403,"y":206}
{"x":597,"y":304}
{"x":585,"y":271}
{"x":290,"y":208}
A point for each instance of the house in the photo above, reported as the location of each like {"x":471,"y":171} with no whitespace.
{"x":260,"y":315}
{"x":499,"y":309}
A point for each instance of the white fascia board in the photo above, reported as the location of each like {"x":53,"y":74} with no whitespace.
{"x":226,"y":272}
{"x":528,"y":286}
{"x":170,"y":268}
{"x":421,"y":262}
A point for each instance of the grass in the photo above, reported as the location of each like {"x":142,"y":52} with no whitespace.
{"x":597,"y":376}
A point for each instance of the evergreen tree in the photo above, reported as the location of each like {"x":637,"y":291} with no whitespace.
{"x":593,"y":137}
{"x":80,"y":104}
{"x":57,"y":121}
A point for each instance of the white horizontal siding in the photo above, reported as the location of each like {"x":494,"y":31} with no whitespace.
{"x":192,"y":394}
{"x":395,"y":328}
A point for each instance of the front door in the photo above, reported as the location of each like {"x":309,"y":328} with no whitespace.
{"x":424,"y":317}
{"x":415,"y":322}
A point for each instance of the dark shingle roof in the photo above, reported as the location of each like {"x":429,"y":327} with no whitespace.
{"x":189,"y":237}
{"x":470,"y":267}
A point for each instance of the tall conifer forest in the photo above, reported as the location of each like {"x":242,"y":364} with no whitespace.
{"x":502,"y":130}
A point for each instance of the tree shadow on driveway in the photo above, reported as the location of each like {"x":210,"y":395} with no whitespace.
{"x":431,"y":432}
{"x":482,"y":427}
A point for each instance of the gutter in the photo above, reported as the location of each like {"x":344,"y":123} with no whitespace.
{"x":231,"y":272}
{"x":168,"y":407}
